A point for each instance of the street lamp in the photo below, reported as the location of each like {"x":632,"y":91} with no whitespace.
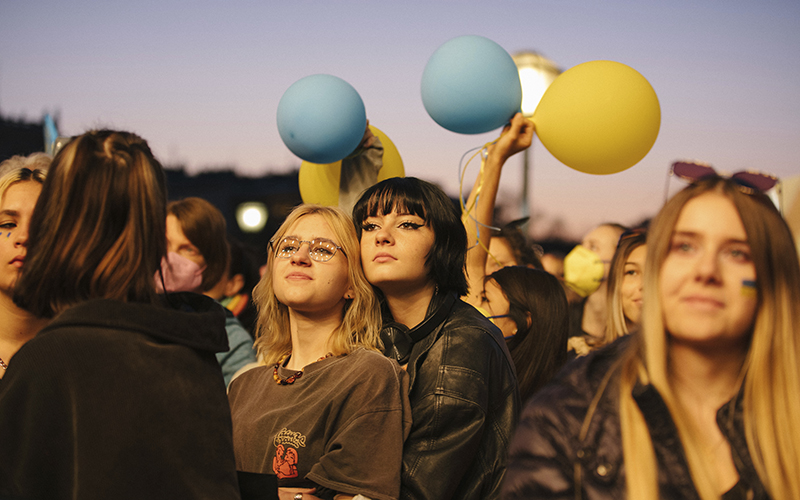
{"x":536,"y":73}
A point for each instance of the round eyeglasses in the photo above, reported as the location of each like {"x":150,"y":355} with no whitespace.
{"x":319,"y":249}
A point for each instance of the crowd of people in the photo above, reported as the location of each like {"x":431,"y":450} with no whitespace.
{"x":403,"y":350}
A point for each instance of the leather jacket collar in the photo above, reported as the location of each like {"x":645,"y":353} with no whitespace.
{"x":398,"y":339}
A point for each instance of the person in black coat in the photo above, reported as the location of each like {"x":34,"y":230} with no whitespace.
{"x":463,"y":388}
{"x":120,"y":396}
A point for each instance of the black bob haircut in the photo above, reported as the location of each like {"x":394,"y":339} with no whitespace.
{"x":447,"y":258}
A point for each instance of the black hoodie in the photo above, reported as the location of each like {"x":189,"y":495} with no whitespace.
{"x":120,"y":400}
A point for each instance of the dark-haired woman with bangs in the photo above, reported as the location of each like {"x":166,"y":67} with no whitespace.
{"x":463,"y":389}
{"x":120,"y":395}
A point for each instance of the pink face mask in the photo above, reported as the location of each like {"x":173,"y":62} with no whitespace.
{"x":180,"y":274}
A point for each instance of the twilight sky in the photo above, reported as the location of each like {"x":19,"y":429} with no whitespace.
{"x":201,"y":81}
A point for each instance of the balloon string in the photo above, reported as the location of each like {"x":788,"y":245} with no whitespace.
{"x":462,"y":168}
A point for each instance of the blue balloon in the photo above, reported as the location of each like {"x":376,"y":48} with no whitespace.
{"x":471,"y":85}
{"x":321,"y":118}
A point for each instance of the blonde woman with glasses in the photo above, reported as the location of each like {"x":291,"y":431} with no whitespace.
{"x":703,"y":401}
{"x":327,"y":413}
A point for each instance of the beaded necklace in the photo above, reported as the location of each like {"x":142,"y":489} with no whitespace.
{"x":3,"y":364}
{"x":296,"y":375}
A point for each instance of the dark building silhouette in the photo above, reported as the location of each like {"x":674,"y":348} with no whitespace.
{"x":18,"y":137}
{"x":226,"y":191}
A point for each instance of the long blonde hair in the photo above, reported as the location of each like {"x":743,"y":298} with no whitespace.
{"x":23,"y":168}
{"x":771,"y":371}
{"x":361,"y":319}
{"x":616,"y":323}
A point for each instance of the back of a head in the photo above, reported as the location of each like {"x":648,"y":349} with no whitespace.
{"x":243,"y":261}
{"x":447,"y":259}
{"x":538,"y":306}
{"x":204,"y":225}
{"x":523,"y":250}
{"x":99,"y":227}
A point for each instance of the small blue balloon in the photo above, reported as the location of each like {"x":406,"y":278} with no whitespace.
{"x":321,"y":118}
{"x":471,"y":85}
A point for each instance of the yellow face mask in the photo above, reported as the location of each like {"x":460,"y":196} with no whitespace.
{"x":583,"y":270}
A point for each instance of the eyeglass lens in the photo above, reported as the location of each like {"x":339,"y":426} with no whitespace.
{"x":319,"y":249}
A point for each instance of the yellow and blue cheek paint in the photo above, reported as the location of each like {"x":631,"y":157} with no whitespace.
{"x":749,"y":288}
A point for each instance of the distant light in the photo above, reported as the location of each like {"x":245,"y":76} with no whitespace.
{"x":251,"y":216}
{"x":534,"y":84}
{"x":536,"y":73}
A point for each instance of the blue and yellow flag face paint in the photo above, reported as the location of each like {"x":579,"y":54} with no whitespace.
{"x":749,"y":288}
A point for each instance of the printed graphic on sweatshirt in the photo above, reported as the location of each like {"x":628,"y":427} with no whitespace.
{"x":284,"y":464}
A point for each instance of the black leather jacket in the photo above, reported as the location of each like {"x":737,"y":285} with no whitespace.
{"x":546,"y":447}
{"x":464,"y":404}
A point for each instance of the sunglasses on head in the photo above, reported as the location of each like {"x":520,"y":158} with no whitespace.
{"x":748,"y":181}
{"x":694,"y":171}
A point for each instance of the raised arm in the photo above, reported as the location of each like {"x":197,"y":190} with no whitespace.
{"x":516,"y":136}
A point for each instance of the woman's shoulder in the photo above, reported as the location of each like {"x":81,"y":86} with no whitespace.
{"x":187,"y":319}
{"x":572,"y":420}
{"x":465,"y":320}
{"x":368,"y":361}
{"x":251,"y":374}
{"x":362,"y":371}
{"x":579,"y":381}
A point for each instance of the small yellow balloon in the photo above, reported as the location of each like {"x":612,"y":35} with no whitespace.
{"x":319,"y":183}
{"x":600,"y":117}
{"x":392,"y":163}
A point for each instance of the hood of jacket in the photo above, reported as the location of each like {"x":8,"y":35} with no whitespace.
{"x":184,"y":318}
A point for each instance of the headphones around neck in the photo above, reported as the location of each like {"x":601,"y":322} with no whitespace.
{"x":398,"y":339}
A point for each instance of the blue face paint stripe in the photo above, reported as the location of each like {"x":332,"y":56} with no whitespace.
{"x":749,"y":288}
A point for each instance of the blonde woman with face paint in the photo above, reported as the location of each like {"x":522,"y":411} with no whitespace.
{"x":702,"y":402}
{"x":21,"y":181}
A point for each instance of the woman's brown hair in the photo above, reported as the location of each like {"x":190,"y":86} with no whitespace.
{"x":204,"y":225}
{"x":99,"y":226}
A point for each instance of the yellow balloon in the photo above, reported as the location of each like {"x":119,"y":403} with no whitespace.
{"x":392,"y":163}
{"x":319,"y":183}
{"x":600,"y":117}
